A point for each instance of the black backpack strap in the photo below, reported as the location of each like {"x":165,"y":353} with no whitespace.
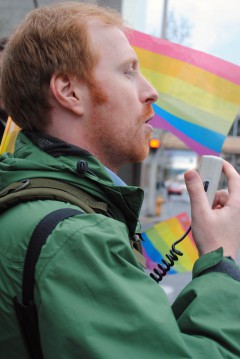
{"x":26,"y":311}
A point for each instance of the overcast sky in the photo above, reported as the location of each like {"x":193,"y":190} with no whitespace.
{"x":215,"y":24}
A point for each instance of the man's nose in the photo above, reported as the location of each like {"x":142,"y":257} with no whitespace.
{"x":150,"y":93}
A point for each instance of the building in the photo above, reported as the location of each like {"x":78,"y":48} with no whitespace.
{"x":12,"y":12}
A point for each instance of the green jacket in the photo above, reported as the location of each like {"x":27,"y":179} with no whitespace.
{"x":94,"y":300}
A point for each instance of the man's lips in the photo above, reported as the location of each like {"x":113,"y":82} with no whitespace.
{"x":149,"y":119}
{"x":148,"y":114}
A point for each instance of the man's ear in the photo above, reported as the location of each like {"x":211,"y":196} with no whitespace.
{"x":66,"y":90}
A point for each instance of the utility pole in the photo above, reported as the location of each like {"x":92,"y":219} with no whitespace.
{"x":164,"y":19}
{"x":157,"y":159}
{"x":35,"y":3}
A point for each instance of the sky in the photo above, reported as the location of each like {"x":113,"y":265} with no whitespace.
{"x":215,"y":24}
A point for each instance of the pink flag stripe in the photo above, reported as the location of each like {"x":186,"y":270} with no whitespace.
{"x":215,"y":65}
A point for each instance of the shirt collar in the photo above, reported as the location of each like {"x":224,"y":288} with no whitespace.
{"x":116,"y":180}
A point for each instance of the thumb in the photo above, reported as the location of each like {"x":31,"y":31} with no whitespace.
{"x":198,"y":198}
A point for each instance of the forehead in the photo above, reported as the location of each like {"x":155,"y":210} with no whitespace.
{"x":110,"y":42}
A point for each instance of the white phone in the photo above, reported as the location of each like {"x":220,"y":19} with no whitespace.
{"x":210,"y":170}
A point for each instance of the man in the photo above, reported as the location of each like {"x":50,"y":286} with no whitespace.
{"x":71,"y":81}
{"x":3,"y":113}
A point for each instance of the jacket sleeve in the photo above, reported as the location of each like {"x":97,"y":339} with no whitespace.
{"x":95,"y":301}
{"x":208,"y":308}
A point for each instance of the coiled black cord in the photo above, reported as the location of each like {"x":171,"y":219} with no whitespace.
{"x":174,"y":253}
{"x":172,"y":257}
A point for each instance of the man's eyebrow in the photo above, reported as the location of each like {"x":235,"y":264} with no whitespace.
{"x":130,"y":61}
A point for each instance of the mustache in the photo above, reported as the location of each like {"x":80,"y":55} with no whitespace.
{"x":147,"y":112}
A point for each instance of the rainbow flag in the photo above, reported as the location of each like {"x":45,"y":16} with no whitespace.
{"x":9,"y":137}
{"x":158,"y":241}
{"x":199,"y":94}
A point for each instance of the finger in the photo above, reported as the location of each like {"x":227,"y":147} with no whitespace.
{"x":198,"y":198}
{"x":221,"y":198}
{"x":232,"y":177}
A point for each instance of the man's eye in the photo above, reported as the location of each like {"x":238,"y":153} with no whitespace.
{"x":131,"y":72}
